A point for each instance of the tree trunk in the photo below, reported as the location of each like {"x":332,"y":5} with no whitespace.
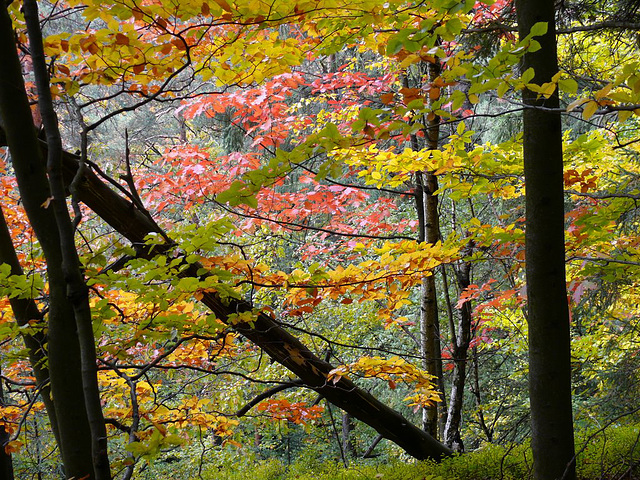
{"x":25,"y":311}
{"x":429,"y":231}
{"x":429,"y":322}
{"x":548,"y":314}
{"x":64,"y":351}
{"x":461,"y":339}
{"x":76,"y":288}
{"x":348,"y":447}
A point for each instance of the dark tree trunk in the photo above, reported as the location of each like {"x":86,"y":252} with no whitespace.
{"x":64,"y":352}
{"x":348,"y":447}
{"x":429,"y":322}
{"x":429,"y":231}
{"x":549,"y":336}
{"x":76,"y":288}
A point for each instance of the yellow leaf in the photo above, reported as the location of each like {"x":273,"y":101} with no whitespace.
{"x":548,"y":89}
{"x":623,"y":115}
{"x":589,"y":109}
{"x":603,"y":92}
{"x":576,"y":103}
{"x":502,"y":88}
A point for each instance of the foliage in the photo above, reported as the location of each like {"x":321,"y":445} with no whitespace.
{"x":282,"y":145}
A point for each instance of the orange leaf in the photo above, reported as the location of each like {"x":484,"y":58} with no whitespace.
{"x":179,"y":44}
{"x":122,"y":39}
{"x":223,"y":4}
{"x":410,"y":94}
{"x":12,"y":447}
{"x":387,"y":98}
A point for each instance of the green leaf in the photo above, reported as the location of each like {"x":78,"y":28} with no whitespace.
{"x":502,"y":89}
{"x":538,"y":29}
{"x":568,"y":85}
{"x":528,"y":75}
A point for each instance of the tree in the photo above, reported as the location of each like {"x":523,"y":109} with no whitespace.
{"x":548,"y":311}
{"x":63,"y":348}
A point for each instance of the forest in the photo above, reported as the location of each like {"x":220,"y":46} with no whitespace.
{"x":320,"y":239}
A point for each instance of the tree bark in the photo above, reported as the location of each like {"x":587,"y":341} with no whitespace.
{"x":77,"y":291}
{"x":548,"y":314}
{"x":429,"y":231}
{"x":348,"y":447}
{"x":64,"y":352}
{"x":429,"y":321}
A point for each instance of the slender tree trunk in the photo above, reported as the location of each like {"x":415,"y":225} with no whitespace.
{"x":64,"y":354}
{"x":77,"y":291}
{"x":461,"y":340}
{"x":25,"y":311}
{"x":348,"y":447}
{"x":6,"y":463}
{"x":429,"y":231}
{"x":548,"y":314}
{"x":488,"y":431}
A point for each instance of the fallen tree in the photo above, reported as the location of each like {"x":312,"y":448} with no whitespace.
{"x":133,"y":223}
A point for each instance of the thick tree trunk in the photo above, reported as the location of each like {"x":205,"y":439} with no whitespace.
{"x":77,"y":291}
{"x":429,"y":322}
{"x":64,"y":352}
{"x":549,"y":336}
{"x":427,"y":205}
{"x":264,"y":331}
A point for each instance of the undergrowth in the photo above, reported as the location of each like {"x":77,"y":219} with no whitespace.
{"x":613,"y":454}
